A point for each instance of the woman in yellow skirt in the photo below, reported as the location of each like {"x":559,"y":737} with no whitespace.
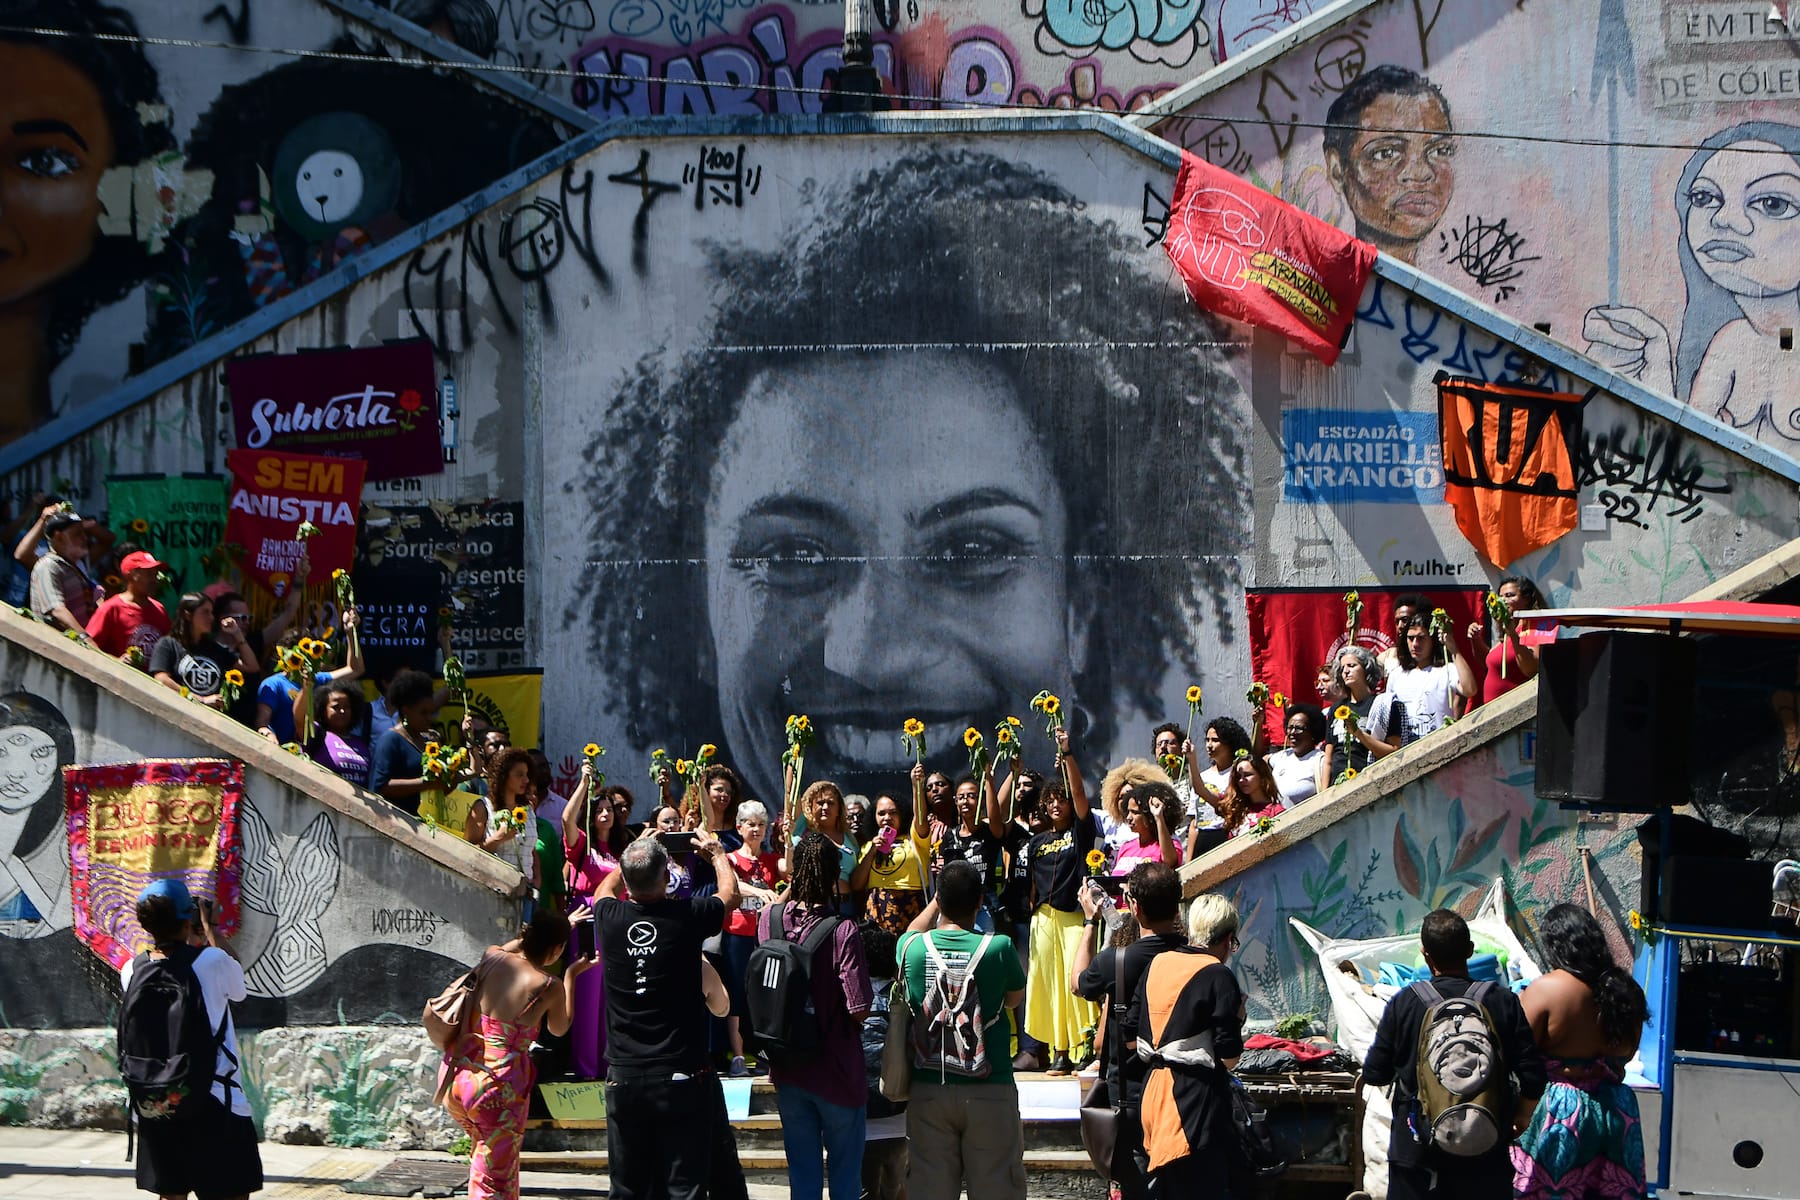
{"x":1054,"y":1015}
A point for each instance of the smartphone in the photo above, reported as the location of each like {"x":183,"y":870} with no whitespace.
{"x":1112,"y":885}
{"x":677,"y":843}
{"x":887,"y":838}
{"x":585,"y":939}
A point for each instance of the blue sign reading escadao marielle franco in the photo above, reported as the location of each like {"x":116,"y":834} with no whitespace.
{"x":1331,"y":456}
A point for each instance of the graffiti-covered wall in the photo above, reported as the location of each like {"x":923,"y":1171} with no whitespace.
{"x":341,"y":918}
{"x":923,"y":423}
{"x":168,"y":184}
{"x":731,"y":57}
{"x":1625,"y":174}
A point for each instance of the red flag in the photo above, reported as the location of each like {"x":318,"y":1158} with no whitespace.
{"x":271,"y":494}
{"x":1245,"y":254}
{"x":1293,"y":634}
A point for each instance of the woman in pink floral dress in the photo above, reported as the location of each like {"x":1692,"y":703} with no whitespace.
{"x":489,"y":1073}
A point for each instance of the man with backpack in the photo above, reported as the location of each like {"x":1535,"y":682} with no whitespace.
{"x":1466,"y":1074}
{"x":962,"y":1119}
{"x":178,"y":1054}
{"x":806,"y":992}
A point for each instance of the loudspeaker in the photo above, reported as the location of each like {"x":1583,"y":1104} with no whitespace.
{"x":1614,"y":721}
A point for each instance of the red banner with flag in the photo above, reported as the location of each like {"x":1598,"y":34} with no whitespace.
{"x":272,"y":495}
{"x":1245,"y":254}
{"x":1293,"y":634}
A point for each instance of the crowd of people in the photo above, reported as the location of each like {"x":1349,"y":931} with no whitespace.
{"x":1042,"y":909}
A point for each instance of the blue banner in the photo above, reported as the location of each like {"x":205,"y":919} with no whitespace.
{"x":1330,"y":456}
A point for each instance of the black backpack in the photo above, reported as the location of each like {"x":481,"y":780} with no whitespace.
{"x":778,"y":990}
{"x":168,"y":1049}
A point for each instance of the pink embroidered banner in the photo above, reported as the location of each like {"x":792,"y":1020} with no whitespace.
{"x":131,"y":823}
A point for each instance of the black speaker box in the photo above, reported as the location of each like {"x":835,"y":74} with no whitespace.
{"x":1716,"y":893}
{"x":1614,"y":720}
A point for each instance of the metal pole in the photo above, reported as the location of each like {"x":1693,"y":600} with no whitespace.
{"x":858,"y":85}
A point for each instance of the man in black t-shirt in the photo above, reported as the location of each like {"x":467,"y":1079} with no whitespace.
{"x":1154,"y":893}
{"x":657,"y":1081}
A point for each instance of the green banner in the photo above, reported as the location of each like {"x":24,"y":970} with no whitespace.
{"x":178,"y":518}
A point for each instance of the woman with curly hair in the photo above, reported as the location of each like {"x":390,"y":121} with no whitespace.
{"x":71,"y":109}
{"x":594,"y":836}
{"x":1587,"y":1015}
{"x":505,"y":823}
{"x":1061,"y":861}
{"x":818,"y":523}
{"x":896,"y":862}
{"x":822,"y":811}
{"x":821,"y":1097}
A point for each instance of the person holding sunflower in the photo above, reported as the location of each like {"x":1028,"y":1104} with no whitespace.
{"x":822,"y":810}
{"x":505,"y":823}
{"x":594,"y":838}
{"x":893,"y":865}
{"x":1370,"y":724}
{"x":194,"y":658}
{"x":1060,"y":859}
{"x":1251,"y":795}
{"x":133,"y":617}
{"x":275,"y":695}
{"x":979,"y":839}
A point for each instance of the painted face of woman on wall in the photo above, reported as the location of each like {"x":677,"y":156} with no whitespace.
{"x":1743,"y":219}
{"x":55,"y":142}
{"x":1398,"y":184}
{"x":911,"y":561}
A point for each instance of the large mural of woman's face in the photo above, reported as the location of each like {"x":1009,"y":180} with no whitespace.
{"x":70,"y":110}
{"x":994,"y":451}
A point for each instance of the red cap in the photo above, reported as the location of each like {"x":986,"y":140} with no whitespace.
{"x":139,"y":560}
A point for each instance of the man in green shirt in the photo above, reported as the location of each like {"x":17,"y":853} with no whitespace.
{"x":965,"y":1132}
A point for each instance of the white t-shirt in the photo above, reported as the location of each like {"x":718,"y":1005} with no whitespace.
{"x":1429,"y":694}
{"x":550,"y":809}
{"x":1296,"y":775}
{"x":221,"y":982}
{"x":520,"y":850}
{"x":1191,"y":803}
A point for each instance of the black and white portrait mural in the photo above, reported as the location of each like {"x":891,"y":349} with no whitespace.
{"x":879,"y":430}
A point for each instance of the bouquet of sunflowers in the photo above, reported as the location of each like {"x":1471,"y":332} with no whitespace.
{"x":442,"y":768}
{"x":301,"y":663}
{"x":800,"y":735}
{"x":1006,"y":742}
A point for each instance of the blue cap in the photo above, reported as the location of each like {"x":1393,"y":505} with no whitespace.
{"x":175,"y":892}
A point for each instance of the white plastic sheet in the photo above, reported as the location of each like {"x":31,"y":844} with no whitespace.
{"x":1351,"y":968}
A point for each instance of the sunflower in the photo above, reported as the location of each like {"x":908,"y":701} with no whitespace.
{"x":1096,"y":859}
{"x":1279,"y":700}
{"x":1193,"y":694}
{"x":1052,"y":706}
{"x":1637,"y":919}
{"x":1013,"y":721}
{"x":1350,"y":774}
{"x":433,"y":749}
{"x":140,"y":527}
{"x":1241,"y":756}
{"x":330,"y":632}
{"x":337,"y":573}
{"x":1004,"y":735}
{"x":913,"y":727}
{"x":235,"y":677}
{"x":590,"y":750}
{"x":683,"y":766}
{"x":803,"y":723}
{"x":707,"y":752}
{"x":520,"y":816}
{"x":971,"y":737}
{"x":1341,"y":712}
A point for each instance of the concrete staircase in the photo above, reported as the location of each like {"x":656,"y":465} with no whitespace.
{"x":1055,"y":1164}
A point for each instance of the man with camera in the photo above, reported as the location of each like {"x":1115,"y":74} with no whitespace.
{"x":657,"y":1079}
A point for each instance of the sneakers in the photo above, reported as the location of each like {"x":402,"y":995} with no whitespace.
{"x":738,"y":1069}
{"x":1027,"y":1061}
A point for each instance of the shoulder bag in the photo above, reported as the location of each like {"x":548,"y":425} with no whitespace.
{"x":1101,"y":1107}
